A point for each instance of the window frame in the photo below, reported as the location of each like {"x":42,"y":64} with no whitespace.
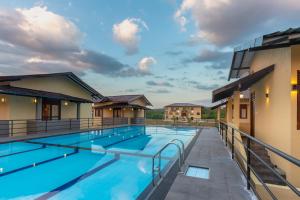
{"x":243,"y":107}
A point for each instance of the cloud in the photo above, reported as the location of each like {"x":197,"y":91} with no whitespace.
{"x":159,"y":83}
{"x":145,"y":63}
{"x":132,"y":72}
{"x":207,"y":55}
{"x":37,"y":40}
{"x":160,"y":91}
{"x":201,"y":86}
{"x":131,"y":90}
{"x":127,"y":32}
{"x":174,"y":53}
{"x":226,"y":22}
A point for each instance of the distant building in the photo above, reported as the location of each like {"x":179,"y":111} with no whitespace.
{"x":183,"y":112}
{"x":121,"y":109}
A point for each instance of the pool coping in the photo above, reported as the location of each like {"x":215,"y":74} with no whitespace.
{"x":161,"y":189}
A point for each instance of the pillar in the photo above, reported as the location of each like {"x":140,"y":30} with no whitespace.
{"x":219,"y":113}
{"x":236,"y":112}
{"x":229,"y":110}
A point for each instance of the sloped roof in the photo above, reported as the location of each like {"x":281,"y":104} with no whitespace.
{"x":241,"y":84}
{"x":243,"y":55}
{"x":69,"y":75}
{"x":182,"y":105}
{"x":6,"y":89}
{"x":123,"y":99}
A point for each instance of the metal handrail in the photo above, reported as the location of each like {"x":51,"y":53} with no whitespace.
{"x":159,"y":159}
{"x":183,"y":148}
{"x":249,"y":152}
{"x":30,"y":126}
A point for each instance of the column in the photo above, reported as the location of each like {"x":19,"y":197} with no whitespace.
{"x":236,"y":112}
{"x":219,"y":113}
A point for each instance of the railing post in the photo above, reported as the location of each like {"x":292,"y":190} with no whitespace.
{"x":222,"y":132}
{"x":248,"y":163}
{"x":88,"y":123}
{"x":46,"y":125}
{"x":226,"y":141}
{"x":12,"y":128}
{"x":70,"y":124}
{"x":232,"y":143}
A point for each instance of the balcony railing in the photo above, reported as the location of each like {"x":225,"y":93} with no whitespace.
{"x":242,"y":150}
{"x":22,"y":127}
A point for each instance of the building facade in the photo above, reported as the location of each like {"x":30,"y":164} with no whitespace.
{"x":28,"y":100}
{"x":122,"y":109}
{"x":267,"y":94}
{"x":183,"y":112}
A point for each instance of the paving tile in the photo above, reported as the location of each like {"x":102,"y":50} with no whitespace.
{"x":225,"y":182}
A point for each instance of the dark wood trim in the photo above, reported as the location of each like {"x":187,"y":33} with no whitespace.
{"x":243,"y":106}
{"x":252,"y":114}
{"x":298,"y":101}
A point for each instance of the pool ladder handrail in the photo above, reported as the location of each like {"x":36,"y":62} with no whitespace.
{"x":182,"y":148}
{"x":180,"y":151}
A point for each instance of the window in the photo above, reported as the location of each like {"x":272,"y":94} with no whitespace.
{"x":98,"y":112}
{"x":118,"y":112}
{"x":243,"y":111}
{"x":51,"y":109}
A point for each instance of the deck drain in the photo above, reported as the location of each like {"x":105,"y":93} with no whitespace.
{"x":198,"y":172}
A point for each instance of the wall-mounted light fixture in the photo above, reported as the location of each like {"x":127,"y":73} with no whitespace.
{"x":295,"y":87}
{"x":267,"y":95}
{"x":66,"y":103}
{"x":110,"y":108}
{"x":241,"y":96}
{"x":3,"y":100}
{"x":34,"y":100}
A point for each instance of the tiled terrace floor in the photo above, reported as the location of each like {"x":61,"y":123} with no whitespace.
{"x":226,"y":181}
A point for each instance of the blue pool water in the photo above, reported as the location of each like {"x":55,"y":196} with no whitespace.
{"x":37,"y":169}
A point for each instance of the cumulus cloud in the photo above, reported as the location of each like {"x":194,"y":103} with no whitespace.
{"x":145,"y":63}
{"x":159,"y":83}
{"x":224,"y":22}
{"x":127,"y":32}
{"x":38,"y":40}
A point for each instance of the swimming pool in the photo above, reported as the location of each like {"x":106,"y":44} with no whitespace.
{"x":105,"y":164}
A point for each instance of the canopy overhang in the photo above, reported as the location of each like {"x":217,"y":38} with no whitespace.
{"x":218,"y":105}
{"x":241,"y":84}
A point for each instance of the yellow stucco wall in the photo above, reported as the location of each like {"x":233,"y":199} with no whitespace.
{"x":68,"y":111}
{"x":57,"y":84}
{"x":21,"y":107}
{"x":4,"y":107}
{"x":273,"y":115}
{"x":295,"y":134}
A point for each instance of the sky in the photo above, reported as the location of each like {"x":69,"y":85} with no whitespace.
{"x":169,"y":50}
